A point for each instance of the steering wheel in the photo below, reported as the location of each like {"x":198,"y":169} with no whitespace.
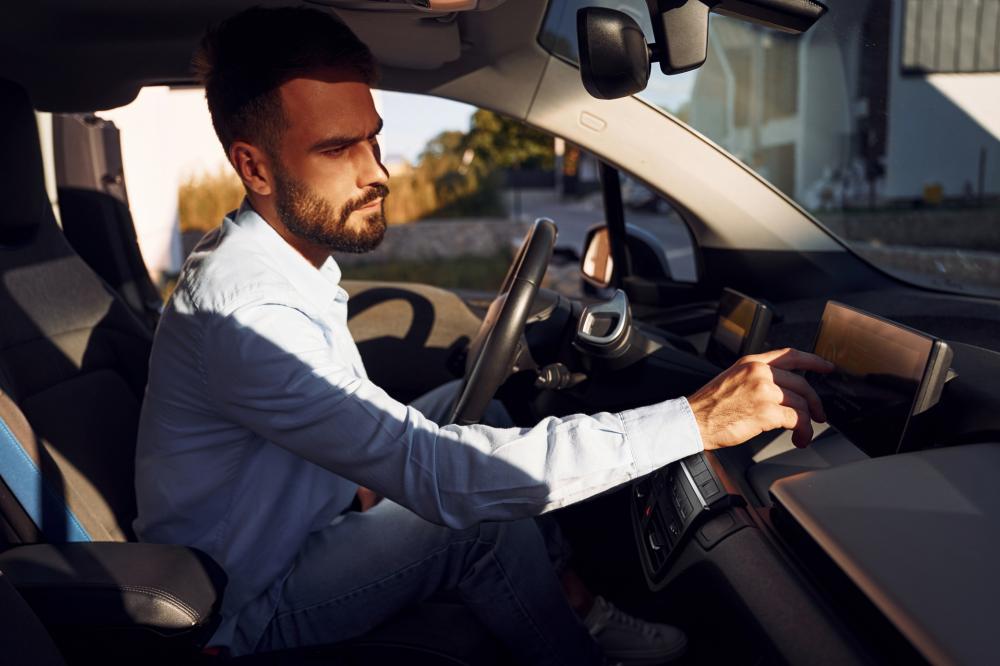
{"x":496,"y":345}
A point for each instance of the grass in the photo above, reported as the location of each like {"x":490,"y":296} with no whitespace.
{"x":204,"y":199}
{"x":476,"y":273}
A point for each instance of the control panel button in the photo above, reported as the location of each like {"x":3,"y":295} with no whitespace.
{"x":696,"y":465}
{"x":685,"y":509}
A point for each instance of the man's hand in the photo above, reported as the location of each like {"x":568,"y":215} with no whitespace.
{"x":760,"y":393}
{"x":367,"y":498}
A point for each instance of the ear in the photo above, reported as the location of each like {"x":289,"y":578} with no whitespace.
{"x":253,"y":167}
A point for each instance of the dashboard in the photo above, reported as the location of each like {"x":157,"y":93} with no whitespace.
{"x":876,"y":543}
{"x":888,"y":519}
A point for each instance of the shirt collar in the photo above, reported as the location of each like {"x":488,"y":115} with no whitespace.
{"x":321,"y":286}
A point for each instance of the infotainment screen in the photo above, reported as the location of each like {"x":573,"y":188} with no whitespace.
{"x":741,"y":327}
{"x":885,"y":373}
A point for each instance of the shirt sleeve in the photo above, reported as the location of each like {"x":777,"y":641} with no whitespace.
{"x":270,"y":369}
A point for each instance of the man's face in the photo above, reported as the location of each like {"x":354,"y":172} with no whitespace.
{"x":329,"y":180}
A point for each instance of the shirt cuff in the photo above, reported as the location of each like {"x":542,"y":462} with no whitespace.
{"x":659,"y":434}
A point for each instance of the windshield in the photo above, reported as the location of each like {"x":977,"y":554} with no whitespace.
{"x":882,"y":121}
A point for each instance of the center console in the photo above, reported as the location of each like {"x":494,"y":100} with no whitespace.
{"x":670,"y":505}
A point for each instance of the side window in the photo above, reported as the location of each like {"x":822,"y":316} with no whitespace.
{"x":465,"y":184}
{"x":463,"y":197}
{"x":449,"y":210}
{"x":652,"y":218}
{"x":464,"y":193}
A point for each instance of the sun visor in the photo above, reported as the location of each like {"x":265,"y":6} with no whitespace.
{"x":406,"y":40}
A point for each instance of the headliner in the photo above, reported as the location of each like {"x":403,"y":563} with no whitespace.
{"x":88,"y":55}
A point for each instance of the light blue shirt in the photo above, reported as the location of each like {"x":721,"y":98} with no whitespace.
{"x":259,"y":423}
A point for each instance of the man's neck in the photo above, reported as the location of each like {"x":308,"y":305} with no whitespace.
{"x":315,"y":254}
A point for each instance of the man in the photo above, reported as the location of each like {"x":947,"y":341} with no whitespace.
{"x":260,"y":425}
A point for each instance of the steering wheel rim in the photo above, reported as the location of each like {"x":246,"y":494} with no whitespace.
{"x":493,"y":350}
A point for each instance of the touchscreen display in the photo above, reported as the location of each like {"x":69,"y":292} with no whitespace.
{"x":737,"y":322}
{"x":879,"y":369}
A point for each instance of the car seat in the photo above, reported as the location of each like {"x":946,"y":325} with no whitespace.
{"x":100,"y":229}
{"x":93,"y":209}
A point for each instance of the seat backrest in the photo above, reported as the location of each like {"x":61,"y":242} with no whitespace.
{"x":73,"y":362}
{"x":101,"y":231}
{"x":93,"y":208}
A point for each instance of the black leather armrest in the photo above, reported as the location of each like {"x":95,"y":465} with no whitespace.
{"x":170,"y":589}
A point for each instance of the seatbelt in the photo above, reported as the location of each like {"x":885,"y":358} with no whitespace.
{"x":46,"y":507}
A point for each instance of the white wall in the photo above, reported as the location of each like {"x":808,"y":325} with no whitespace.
{"x":937,"y":126}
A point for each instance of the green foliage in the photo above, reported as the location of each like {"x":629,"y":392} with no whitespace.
{"x":500,"y":142}
{"x":460,"y":174}
{"x":411,"y":196}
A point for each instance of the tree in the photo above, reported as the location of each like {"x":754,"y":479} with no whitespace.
{"x":501,"y":142}
{"x":462,"y":172}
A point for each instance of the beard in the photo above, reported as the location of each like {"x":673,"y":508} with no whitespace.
{"x":313,"y":218}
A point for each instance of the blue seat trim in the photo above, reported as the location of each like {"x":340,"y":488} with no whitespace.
{"x":25,"y":481}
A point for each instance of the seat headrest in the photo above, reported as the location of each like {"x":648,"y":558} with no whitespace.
{"x":24,"y":203}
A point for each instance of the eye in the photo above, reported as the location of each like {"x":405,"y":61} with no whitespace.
{"x":335,"y":152}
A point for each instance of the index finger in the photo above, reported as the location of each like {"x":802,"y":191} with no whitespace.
{"x":794,"y":359}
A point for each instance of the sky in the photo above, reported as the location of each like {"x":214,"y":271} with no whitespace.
{"x":412,"y":120}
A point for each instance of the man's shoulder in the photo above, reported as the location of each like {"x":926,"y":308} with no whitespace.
{"x":228,"y":270}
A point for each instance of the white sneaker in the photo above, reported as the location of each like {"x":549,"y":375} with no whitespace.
{"x":631,"y":641}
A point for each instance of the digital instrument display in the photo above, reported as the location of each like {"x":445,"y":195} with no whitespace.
{"x":885,"y":373}
{"x":741,"y":327}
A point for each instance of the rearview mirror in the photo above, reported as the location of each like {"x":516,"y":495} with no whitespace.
{"x":615,"y":58}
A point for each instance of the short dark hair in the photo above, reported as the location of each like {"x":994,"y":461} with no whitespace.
{"x":243,"y":60}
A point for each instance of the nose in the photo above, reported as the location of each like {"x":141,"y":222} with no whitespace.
{"x":372,"y":171}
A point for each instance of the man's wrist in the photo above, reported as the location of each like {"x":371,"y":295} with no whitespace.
{"x":661,"y":433}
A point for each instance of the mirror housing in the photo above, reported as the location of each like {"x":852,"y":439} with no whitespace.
{"x":646,"y":254}
{"x":615,"y":59}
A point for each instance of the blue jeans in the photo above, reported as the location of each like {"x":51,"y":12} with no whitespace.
{"x":366,"y":567}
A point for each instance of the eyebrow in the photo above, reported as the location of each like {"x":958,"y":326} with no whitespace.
{"x":331,"y":142}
